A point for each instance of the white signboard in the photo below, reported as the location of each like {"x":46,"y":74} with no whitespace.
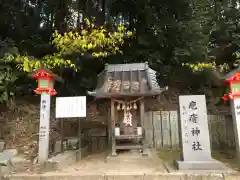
{"x":67,"y":107}
{"x":194,"y":127}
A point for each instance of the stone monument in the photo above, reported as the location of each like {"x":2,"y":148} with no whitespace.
{"x":195,"y":135}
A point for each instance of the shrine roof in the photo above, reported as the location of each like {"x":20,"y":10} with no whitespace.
{"x":136,"y":79}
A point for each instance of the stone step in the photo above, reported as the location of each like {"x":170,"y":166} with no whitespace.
{"x":129,"y":146}
{"x":128,"y":157}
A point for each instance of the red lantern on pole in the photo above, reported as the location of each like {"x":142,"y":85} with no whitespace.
{"x":233,"y":82}
{"x":45,"y":79}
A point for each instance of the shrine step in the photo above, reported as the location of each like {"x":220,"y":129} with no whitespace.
{"x":128,"y":146}
{"x":133,"y":156}
{"x":128,"y":137}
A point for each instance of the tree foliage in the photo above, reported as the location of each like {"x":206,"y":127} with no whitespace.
{"x":197,"y":34}
{"x":8,"y":75}
{"x":223,"y":31}
{"x":93,"y":40}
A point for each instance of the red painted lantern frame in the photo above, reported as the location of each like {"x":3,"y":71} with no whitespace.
{"x":42,"y":74}
{"x":229,"y":81}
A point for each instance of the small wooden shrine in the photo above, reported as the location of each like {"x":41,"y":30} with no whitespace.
{"x":127,"y":86}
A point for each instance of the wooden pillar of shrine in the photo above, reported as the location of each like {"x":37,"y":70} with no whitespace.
{"x":113,"y":128}
{"x":142,"y":111}
{"x":109,"y":122}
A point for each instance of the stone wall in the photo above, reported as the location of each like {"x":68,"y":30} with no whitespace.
{"x":20,"y":130}
{"x":21,"y":125}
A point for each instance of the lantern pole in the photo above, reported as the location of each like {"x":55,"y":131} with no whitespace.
{"x":45,"y":88}
{"x":44,"y":127}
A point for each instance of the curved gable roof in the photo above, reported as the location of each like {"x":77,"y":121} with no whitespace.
{"x":135,"y":79}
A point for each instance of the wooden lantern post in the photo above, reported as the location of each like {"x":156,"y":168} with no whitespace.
{"x":45,"y":79}
{"x":233,"y":94}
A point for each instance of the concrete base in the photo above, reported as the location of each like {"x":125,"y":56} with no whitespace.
{"x":200,"y":165}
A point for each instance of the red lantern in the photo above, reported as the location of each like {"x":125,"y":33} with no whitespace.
{"x":234,"y":86}
{"x":46,"y":81}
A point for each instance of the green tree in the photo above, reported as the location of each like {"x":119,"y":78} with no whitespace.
{"x":8,"y":73}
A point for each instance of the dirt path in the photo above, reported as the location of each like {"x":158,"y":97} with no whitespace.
{"x":123,"y":163}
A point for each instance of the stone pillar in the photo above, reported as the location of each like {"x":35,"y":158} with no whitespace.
{"x":235,"y":108}
{"x":44,"y":127}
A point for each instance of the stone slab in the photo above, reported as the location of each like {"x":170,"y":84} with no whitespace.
{"x":66,"y":159}
{"x":57,"y":147}
{"x":5,"y":158}
{"x":20,"y":164}
{"x":6,"y":162}
{"x":61,"y":161}
{"x":124,"y":176}
{"x":164,"y":177}
{"x":201,"y":165}
{"x":2,"y":146}
{"x":125,"y":157}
